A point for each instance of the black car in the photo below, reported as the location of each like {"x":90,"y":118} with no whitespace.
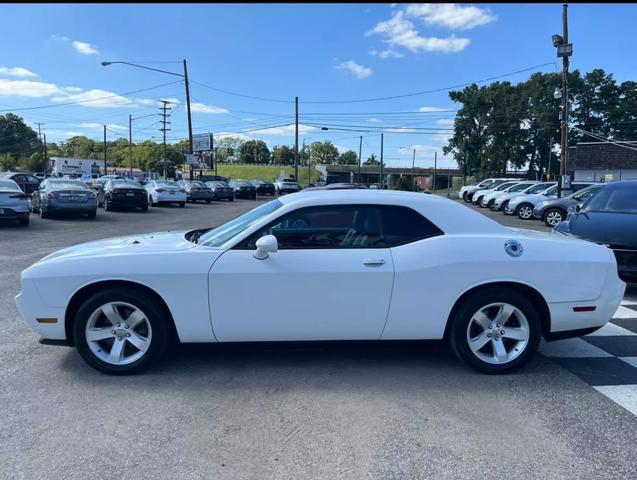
{"x":196,"y":191}
{"x":610,"y":218}
{"x":27,"y":182}
{"x":58,"y":195}
{"x":221,"y":190}
{"x":264,"y":187}
{"x":122,"y":194}
{"x":243,"y":189}
{"x":553,"y":210}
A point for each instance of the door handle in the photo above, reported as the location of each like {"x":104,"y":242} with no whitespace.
{"x":373,"y":261}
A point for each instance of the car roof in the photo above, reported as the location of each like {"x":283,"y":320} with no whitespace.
{"x":449,"y":215}
{"x":621,"y":184}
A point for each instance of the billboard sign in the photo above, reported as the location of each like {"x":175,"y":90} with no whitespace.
{"x":201,"y":143}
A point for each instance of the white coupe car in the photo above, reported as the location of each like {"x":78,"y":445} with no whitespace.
{"x":385,"y":265}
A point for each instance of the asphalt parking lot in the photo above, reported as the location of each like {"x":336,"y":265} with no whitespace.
{"x":317,"y":411}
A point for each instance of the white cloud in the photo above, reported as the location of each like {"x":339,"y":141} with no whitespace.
{"x":241,"y":136}
{"x":388,"y":53}
{"x":96,"y":98}
{"x":445,"y":121}
{"x":342,"y":149}
{"x":72,"y":89}
{"x":112,"y":126}
{"x":401,"y":32}
{"x":203,"y":108}
{"x":356,"y":69}
{"x":74,"y":134}
{"x":374,"y":120}
{"x":27,"y":88}
{"x":401,"y":130}
{"x":450,"y":15}
{"x":85,"y":48}
{"x":431,"y":109}
{"x":174,"y":101}
{"x":284,"y":130}
{"x":17,"y":72}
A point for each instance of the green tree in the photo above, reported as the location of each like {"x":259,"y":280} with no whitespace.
{"x":228,"y":149}
{"x":372,"y":160}
{"x":324,"y":153}
{"x":7,"y":162}
{"x":248,"y":150}
{"x":406,"y":184}
{"x":16,"y":137}
{"x":34,"y":163}
{"x":348,"y":158}
{"x":283,"y":155}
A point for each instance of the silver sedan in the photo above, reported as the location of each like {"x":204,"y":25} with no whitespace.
{"x":14,"y":203}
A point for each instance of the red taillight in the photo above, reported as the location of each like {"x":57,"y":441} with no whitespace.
{"x":159,"y":190}
{"x":51,"y":195}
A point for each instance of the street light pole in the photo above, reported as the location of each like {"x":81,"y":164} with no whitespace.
{"x":130,"y":144}
{"x":296,"y":139}
{"x":381,"y":161}
{"x":360,"y":158}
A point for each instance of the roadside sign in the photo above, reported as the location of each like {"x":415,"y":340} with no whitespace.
{"x":201,"y":143}
{"x":192,"y":159}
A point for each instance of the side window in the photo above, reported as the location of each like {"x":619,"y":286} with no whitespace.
{"x":346,"y":226}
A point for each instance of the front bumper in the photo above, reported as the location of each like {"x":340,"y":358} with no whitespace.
{"x":45,"y":320}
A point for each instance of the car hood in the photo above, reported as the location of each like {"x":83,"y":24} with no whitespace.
{"x":615,"y":229}
{"x":133,"y":244}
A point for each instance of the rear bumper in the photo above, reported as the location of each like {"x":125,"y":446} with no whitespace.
{"x":266,"y":191}
{"x":201,"y":196}
{"x":13,"y":214}
{"x":71,"y":207}
{"x":246,"y":193}
{"x":129,"y":202}
{"x":222,"y":195}
{"x":168,"y":198}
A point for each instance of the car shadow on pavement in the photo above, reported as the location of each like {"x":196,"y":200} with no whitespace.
{"x":371,"y":364}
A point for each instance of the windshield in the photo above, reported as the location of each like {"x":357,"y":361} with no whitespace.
{"x":518,"y":188}
{"x":198,"y":184}
{"x":538,"y":188}
{"x":615,"y":200}
{"x":220,"y":235}
{"x":167,"y":183}
{"x":129,"y":184}
{"x":68,"y":185}
{"x":501,"y":187}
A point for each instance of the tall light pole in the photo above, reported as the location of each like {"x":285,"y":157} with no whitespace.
{"x":564,"y":50}
{"x":296,"y":139}
{"x":185,"y":77}
{"x":360,"y":158}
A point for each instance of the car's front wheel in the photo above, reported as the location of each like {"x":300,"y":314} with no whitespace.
{"x":525,"y":211}
{"x":553,"y":216}
{"x":119,"y":331}
{"x":495,"y":330}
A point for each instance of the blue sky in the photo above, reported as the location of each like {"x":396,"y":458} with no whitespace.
{"x":322,"y":53}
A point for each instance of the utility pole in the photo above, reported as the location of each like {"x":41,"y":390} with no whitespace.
{"x":360,"y":157}
{"x":212,"y":152}
{"x":413,"y":168}
{"x":296,"y":139}
{"x":309,"y":165}
{"x":381,"y":161}
{"x":189,"y":114}
{"x":215,"y":159}
{"x":105,"y":165}
{"x":130,"y":144}
{"x":46,"y":158}
{"x":435,"y":169}
{"x":164,"y":113}
{"x":564,"y":50}
{"x":448,"y":181}
{"x":548,"y":163}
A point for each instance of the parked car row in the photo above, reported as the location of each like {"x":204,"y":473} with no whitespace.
{"x":21,"y":194}
{"x":526,"y":199}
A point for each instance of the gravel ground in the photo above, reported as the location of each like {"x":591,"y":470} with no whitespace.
{"x":315,"y":411}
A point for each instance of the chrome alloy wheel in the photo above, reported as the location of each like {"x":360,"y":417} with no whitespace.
{"x":553,"y":218}
{"x":498,"y":333}
{"x":525,"y":212}
{"x":118,"y":333}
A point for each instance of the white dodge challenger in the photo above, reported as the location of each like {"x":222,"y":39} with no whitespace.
{"x":347,"y":265}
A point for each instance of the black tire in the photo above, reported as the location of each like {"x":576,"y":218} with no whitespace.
{"x":43,"y":213}
{"x":150,"y":201}
{"x":208,"y":200}
{"x":490,"y":204}
{"x":554,"y":211}
{"x":161,"y":330}
{"x":231,"y":199}
{"x":503,"y":207}
{"x":107,"y":206}
{"x":457,"y":334}
{"x":144,"y":208}
{"x":92,"y":215}
{"x":182,"y":204}
{"x":523,"y":207}
{"x":465,"y":197}
{"x":24,"y":222}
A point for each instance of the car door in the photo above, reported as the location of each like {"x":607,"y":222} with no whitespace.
{"x":331,"y":279}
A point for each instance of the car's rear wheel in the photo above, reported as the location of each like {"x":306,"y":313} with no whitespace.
{"x":553,"y":216}
{"x":119,"y":331}
{"x":525,"y":211}
{"x":495,"y":330}
{"x":24,"y":222}
{"x":92,"y":215}
{"x":182,"y":204}
{"x":43,"y":213}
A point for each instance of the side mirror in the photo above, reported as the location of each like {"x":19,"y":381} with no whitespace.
{"x":578,"y":208}
{"x":265,"y":245}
